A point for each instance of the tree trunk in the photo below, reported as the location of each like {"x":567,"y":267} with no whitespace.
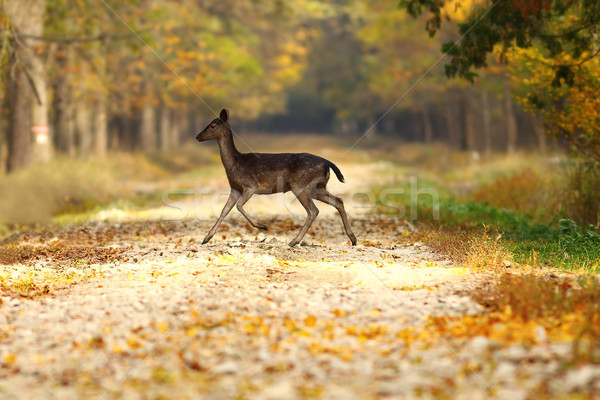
{"x":468,"y":140}
{"x":175,"y":124}
{"x":511,"y":121}
{"x":27,"y":98}
{"x":148,"y":127}
{"x":371,"y":132}
{"x":64,"y":124}
{"x":84,"y":127}
{"x":487,"y":124}
{"x":540,"y":132}
{"x":452,"y":123}
{"x":166,"y":133}
{"x":100,"y":127}
{"x":42,"y":144}
{"x":427,"y":129}
{"x":184,"y":128}
{"x":463,"y":124}
{"x":19,"y":121}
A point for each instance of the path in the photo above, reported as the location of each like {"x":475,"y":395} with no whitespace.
{"x":154,"y":314}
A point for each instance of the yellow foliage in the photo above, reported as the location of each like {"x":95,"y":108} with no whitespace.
{"x":460,"y":10}
{"x":310,"y":321}
{"x":338,"y":313}
{"x":10,"y":358}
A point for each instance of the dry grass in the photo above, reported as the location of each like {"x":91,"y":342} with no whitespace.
{"x":470,"y":248}
{"x":526,"y":191}
{"x":567,"y":308}
{"x":37,"y":193}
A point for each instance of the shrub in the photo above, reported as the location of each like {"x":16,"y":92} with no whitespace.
{"x":582,"y":198}
{"x":525,"y":191}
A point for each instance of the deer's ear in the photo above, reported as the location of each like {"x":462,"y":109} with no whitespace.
{"x":224,"y":115}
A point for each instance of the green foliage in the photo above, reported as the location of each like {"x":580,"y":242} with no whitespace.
{"x":558,"y":25}
{"x":563,"y":244}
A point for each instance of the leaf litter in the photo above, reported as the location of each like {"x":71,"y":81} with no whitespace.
{"x":141,"y":310}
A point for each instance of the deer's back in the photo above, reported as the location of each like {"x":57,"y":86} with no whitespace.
{"x":281,"y":172}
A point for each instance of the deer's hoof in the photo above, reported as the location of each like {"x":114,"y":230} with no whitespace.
{"x":292,"y":243}
{"x":206,"y":240}
{"x":263,"y":227}
{"x":353,"y":240}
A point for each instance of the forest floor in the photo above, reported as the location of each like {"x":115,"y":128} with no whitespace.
{"x":141,"y":310}
{"x":125,"y":303}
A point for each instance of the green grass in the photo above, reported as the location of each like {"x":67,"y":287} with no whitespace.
{"x":560,"y":242}
{"x":569,"y":247}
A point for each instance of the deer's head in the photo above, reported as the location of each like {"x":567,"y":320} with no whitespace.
{"x":216,"y":129}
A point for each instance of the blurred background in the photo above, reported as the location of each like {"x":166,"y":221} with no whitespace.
{"x":101,"y":99}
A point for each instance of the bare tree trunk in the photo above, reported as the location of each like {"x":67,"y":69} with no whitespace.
{"x":101,"y":103}
{"x":427,"y":129}
{"x":487,"y":124}
{"x":84,"y":127}
{"x":64,"y":124}
{"x":166,"y":133}
{"x":511,"y":121}
{"x":100,"y":127}
{"x":28,"y":102}
{"x":540,"y":133}
{"x":148,"y":127}
{"x":19,"y":121}
{"x":371,"y":132}
{"x":452,"y":123}
{"x":176,"y":129}
{"x":468,"y":129}
{"x":185,"y":131}
{"x":42,"y":146}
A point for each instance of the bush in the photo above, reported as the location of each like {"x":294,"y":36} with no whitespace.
{"x":525,"y":192}
{"x":582,"y":198}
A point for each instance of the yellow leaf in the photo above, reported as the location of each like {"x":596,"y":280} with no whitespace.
{"x":264,"y":329}
{"x":162,"y":326}
{"x":289,"y":324}
{"x":133,"y":342}
{"x":310,"y":321}
{"x":250,"y":328}
{"x":351,"y":330}
{"x":338,"y":313}
{"x":10,"y":358}
{"x":190,"y":331}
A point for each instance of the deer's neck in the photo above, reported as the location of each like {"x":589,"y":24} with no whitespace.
{"x":228,"y":151}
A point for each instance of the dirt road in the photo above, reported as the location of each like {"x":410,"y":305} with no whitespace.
{"x":141,"y":310}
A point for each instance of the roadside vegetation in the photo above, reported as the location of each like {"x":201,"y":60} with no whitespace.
{"x":537,"y":211}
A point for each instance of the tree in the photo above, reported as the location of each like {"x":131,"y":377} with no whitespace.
{"x":569,"y":111}
{"x":27,"y":98}
{"x":557,"y":38}
{"x":558,"y":26}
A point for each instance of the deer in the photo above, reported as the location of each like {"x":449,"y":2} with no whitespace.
{"x":305,"y":174}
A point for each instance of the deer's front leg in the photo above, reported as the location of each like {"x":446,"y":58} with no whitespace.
{"x":246,"y":194}
{"x":233,"y":198}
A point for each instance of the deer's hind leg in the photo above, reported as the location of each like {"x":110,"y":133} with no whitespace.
{"x":323,"y":195}
{"x":311,"y":210}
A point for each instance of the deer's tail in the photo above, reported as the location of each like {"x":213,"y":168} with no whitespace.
{"x":337,"y":171}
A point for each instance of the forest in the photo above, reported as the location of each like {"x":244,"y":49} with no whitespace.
{"x":461,"y":136}
{"x":141,"y":76}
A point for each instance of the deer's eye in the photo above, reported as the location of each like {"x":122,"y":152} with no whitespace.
{"x":212,"y":125}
